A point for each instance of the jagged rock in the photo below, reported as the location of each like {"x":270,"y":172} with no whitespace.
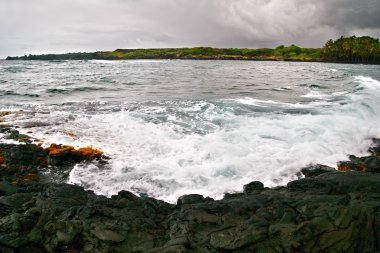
{"x":23,"y":163}
{"x":253,"y":186}
{"x":332,"y":212}
{"x":369,"y":163}
{"x":22,"y":155}
{"x":20,"y":163}
{"x":63,"y":154}
{"x":315,"y":170}
{"x":190,"y":199}
{"x":13,"y":134}
{"x":126,"y":195}
{"x":365,"y":164}
{"x":375,"y":149}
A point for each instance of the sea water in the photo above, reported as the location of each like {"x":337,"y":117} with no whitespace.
{"x":175,"y":127}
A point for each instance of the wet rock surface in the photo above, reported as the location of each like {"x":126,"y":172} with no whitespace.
{"x":369,"y":163}
{"x":315,"y":170}
{"x":26,"y":162}
{"x":253,"y":186}
{"x":333,"y":212}
{"x":323,"y":212}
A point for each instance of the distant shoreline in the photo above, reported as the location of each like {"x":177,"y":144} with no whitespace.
{"x":291,"y":53}
{"x":115,"y":56}
{"x":192,"y":59}
{"x":353,"y":50}
{"x":198,"y":59}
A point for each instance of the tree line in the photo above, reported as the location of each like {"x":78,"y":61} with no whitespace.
{"x":352,"y":50}
{"x":344,"y":49}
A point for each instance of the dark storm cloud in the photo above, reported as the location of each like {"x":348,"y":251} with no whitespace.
{"x":43,"y":26}
{"x":359,"y":14}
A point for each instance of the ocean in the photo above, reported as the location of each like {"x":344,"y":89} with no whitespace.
{"x":175,"y":127}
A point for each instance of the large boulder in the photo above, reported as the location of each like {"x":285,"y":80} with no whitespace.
{"x":253,"y":186}
{"x":315,"y":170}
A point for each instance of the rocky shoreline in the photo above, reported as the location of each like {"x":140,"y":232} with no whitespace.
{"x":327,"y":211}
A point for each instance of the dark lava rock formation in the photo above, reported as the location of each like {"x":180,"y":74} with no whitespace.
{"x":22,"y":163}
{"x":369,"y":163}
{"x":333,"y":212}
{"x":327,"y":211}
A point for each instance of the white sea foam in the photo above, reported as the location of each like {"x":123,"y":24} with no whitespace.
{"x":104,"y":61}
{"x":316,"y":94}
{"x":368,"y":82}
{"x":264,"y":103}
{"x":159,"y":149}
{"x":165,"y":163}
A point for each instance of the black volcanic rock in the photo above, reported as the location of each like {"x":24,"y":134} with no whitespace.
{"x":315,"y":170}
{"x":253,"y":186}
{"x":333,"y":212}
{"x":190,"y":199}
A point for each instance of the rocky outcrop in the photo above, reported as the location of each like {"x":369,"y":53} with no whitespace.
{"x":327,"y":211}
{"x":64,"y":154}
{"x":315,"y":170}
{"x":333,"y":212}
{"x":25,"y":162}
{"x":369,"y":163}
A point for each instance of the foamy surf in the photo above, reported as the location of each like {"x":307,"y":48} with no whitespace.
{"x":164,"y":163}
{"x":213,"y":144}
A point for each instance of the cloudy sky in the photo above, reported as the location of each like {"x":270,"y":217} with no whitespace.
{"x":46,"y":26}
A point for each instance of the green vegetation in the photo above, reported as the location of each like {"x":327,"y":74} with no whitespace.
{"x":285,"y":53}
{"x":351,"y":50}
{"x":56,"y":57}
{"x":290,"y":53}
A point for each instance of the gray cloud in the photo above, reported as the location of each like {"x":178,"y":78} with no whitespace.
{"x":45,"y":26}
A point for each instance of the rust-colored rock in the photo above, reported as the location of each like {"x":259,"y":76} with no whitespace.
{"x":55,"y":149}
{"x":85,"y":152}
{"x":88,"y":152}
{"x":63,"y":154}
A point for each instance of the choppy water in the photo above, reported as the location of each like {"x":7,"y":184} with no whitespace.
{"x":208,"y":127}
